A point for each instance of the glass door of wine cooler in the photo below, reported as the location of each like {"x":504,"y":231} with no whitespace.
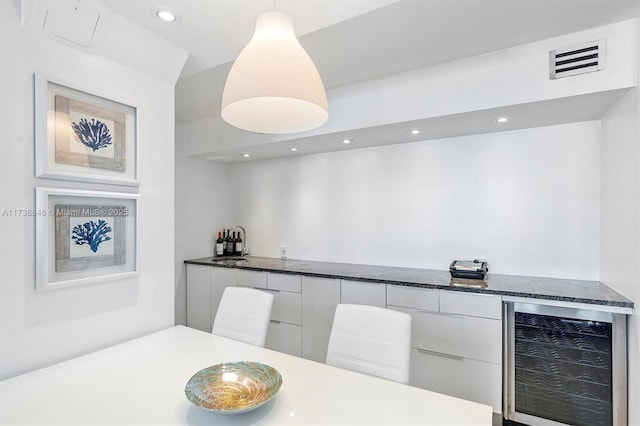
{"x":565,"y":366}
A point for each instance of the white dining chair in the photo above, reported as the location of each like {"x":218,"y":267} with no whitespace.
{"x":243,"y":314}
{"x":371,"y":340}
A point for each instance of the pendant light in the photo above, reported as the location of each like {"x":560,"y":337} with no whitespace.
{"x":273,"y":86}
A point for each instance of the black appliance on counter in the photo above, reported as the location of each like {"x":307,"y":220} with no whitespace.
{"x":468,"y":269}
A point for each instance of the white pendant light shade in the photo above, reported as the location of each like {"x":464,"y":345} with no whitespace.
{"x":273,"y":86}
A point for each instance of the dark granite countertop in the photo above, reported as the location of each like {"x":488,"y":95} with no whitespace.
{"x":577,"y":291}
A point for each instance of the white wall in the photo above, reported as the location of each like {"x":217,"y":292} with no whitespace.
{"x":37,"y":329}
{"x":528,"y":201}
{"x":620,"y":222}
{"x":201,"y":209}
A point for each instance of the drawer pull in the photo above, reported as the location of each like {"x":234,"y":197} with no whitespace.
{"x":483,"y":295}
{"x":446,"y":314}
{"x":275,"y":321}
{"x":424,"y":351}
{"x":270,"y":289}
{"x":424,"y":311}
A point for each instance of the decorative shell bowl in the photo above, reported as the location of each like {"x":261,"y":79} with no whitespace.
{"x":234,"y":387}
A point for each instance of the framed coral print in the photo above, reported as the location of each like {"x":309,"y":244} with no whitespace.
{"x":84,"y":137}
{"x":83,"y":237}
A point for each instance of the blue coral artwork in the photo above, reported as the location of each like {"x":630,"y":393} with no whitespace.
{"x":91,"y":135}
{"x":90,"y":236}
{"x":92,"y":233}
{"x":94,"y":135}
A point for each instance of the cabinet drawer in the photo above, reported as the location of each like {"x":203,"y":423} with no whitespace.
{"x":477,"y":305}
{"x":284,"y":282}
{"x":466,"y":337}
{"x":283,"y":337}
{"x":463,"y":378}
{"x":412,"y":297}
{"x":363,"y":293}
{"x":286,"y":307}
{"x":256,"y":279}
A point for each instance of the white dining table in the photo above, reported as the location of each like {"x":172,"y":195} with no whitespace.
{"x":142,"y":382}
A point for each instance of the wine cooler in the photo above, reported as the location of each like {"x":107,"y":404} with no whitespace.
{"x":564,"y":366}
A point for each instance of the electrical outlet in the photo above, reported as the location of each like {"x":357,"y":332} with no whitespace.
{"x":283,"y":252}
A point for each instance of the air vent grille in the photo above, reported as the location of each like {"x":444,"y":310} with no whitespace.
{"x":576,"y":60}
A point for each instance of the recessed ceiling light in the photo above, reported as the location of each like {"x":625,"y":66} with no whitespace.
{"x":502,"y":119}
{"x":293,"y":149}
{"x":165,"y":15}
{"x":246,"y":155}
{"x":347,"y":141}
{"x":415,"y":131}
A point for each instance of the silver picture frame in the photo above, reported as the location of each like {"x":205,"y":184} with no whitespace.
{"x":83,"y":136}
{"x":84,"y":237}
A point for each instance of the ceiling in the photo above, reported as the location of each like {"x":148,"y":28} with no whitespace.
{"x":358,"y":40}
{"x":214,"y":31}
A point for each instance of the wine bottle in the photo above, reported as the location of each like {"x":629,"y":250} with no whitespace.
{"x":225,"y":239}
{"x":230,"y":243}
{"x":219,"y":247}
{"x":239,"y":247}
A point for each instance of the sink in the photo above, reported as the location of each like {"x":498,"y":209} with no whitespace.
{"x":226,"y":259}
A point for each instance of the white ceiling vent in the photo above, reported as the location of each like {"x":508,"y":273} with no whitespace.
{"x":587,"y":57}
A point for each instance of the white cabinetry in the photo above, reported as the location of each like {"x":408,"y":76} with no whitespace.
{"x":221,"y":278}
{"x":456,"y":342}
{"x":198,"y":297}
{"x":456,"y":336}
{"x":284,"y":334}
{"x":255,"y":279}
{"x":363,"y":293}
{"x":285,"y":328}
{"x":205,"y":286}
{"x":320,"y":296}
